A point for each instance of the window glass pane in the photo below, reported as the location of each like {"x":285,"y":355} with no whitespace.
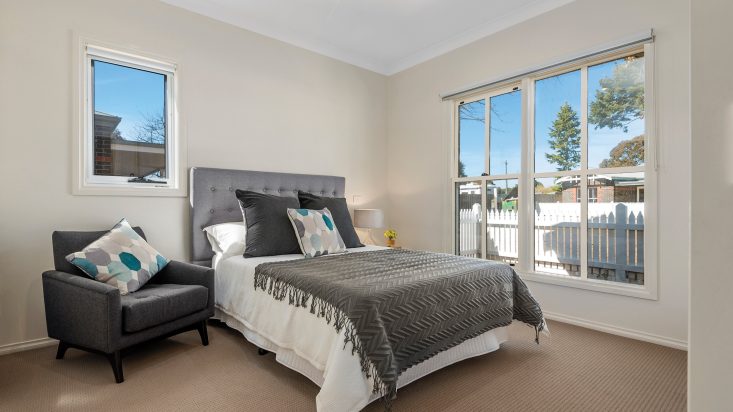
{"x":616,"y":228}
{"x":471,"y":138}
{"x":468,"y":219}
{"x":557,"y":123}
{"x":616,"y":113}
{"x":505,"y":133}
{"x":129,"y":122}
{"x":502,"y":235}
{"x":557,"y":225}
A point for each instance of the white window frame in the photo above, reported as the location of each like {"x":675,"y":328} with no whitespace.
{"x":85,"y":182}
{"x":484,"y":180}
{"x":525,"y":265}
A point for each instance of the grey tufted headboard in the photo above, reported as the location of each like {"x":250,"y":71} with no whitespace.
{"x":212,"y":197}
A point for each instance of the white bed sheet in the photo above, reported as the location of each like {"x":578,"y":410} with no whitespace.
{"x":307,"y":344}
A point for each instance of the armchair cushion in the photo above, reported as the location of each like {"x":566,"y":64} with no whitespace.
{"x":156,"y":304}
{"x":182,"y":273}
{"x":121,"y":258}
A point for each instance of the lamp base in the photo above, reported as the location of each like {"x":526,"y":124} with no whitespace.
{"x":371,"y":238}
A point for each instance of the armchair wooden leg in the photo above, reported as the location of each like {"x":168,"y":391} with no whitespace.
{"x":115,"y":359}
{"x":204,"y":333}
{"x":61,"y":350}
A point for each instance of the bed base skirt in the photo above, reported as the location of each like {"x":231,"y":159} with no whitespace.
{"x":480,"y":345}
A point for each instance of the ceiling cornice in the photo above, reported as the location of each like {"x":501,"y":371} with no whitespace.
{"x":498,"y":24}
{"x":387,"y":68}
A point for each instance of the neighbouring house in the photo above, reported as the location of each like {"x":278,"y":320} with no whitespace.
{"x":116,"y":156}
{"x":603,"y":188}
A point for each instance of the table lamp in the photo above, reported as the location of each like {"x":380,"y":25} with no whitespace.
{"x":369,"y":219}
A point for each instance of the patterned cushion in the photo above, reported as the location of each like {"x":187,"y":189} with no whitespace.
{"x":120,"y":258}
{"x":340,"y":212}
{"x":316,"y":232}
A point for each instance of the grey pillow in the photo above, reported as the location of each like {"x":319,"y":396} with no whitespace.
{"x":340,"y":212}
{"x":269,"y":231}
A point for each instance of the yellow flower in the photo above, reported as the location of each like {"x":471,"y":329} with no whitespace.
{"x":390,"y":234}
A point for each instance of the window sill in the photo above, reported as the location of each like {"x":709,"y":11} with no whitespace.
{"x":143,"y":190}
{"x":637,"y":291}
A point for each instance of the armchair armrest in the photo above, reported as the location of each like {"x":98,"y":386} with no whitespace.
{"x":181,"y":273}
{"x":82,"y":311}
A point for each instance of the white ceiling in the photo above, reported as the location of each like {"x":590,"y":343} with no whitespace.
{"x":385,"y":36}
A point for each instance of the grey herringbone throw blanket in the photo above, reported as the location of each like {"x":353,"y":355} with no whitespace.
{"x":402,"y":306}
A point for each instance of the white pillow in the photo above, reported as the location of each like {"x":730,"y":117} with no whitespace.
{"x":227,"y":239}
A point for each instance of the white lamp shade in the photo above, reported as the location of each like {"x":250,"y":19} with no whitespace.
{"x":368,"y":218}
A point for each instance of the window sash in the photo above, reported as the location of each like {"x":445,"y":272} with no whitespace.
{"x":135,"y":62}
{"x":487,"y":155}
{"x":527,"y":174}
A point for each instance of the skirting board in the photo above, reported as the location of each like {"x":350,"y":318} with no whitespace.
{"x":615,"y":330}
{"x":27,"y":345}
{"x":602,"y":327}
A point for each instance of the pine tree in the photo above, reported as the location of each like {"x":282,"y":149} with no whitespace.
{"x":565,"y":139}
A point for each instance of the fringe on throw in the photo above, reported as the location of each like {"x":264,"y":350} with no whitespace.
{"x":280,"y":289}
{"x":539,"y":328}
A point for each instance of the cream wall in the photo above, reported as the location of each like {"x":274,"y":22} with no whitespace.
{"x":420,"y":145}
{"x":711,"y":282}
{"x":249,"y":102}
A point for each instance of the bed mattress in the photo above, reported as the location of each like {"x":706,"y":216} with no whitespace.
{"x":310,"y":346}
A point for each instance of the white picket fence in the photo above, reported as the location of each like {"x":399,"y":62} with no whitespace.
{"x":615,"y":238}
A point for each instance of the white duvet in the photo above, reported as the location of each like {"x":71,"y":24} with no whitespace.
{"x":310,"y":346}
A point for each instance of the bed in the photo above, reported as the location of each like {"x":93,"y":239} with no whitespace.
{"x":299,"y":339}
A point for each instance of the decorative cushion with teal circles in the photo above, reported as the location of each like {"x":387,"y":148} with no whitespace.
{"x":120,"y":258}
{"x":316,"y":232}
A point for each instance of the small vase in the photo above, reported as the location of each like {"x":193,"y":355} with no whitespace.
{"x":390,"y":242}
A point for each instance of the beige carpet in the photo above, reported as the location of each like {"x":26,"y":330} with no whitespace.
{"x":575,"y":370}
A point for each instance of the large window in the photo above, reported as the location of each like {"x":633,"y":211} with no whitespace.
{"x":552,"y":175}
{"x":128,"y":140}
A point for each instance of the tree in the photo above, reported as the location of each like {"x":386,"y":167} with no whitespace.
{"x":565,"y":139}
{"x":618,"y":102}
{"x":626,"y":153}
{"x":476,"y":111}
{"x":620,"y":98}
{"x":151,"y":130}
{"x":461,"y":169}
{"x":472,"y":111}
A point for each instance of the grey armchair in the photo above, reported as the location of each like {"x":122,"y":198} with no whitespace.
{"x":85,"y":314}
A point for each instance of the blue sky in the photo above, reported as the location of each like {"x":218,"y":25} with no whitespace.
{"x":506,"y":133}
{"x":129,"y":93}
{"x":550,"y":94}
